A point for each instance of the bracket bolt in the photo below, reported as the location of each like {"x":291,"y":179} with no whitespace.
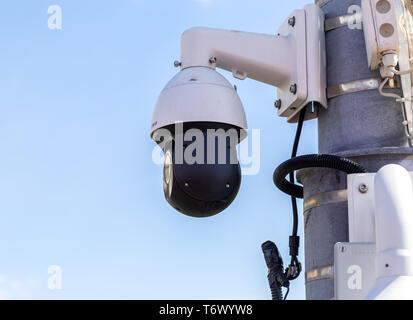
{"x":293,"y":88}
{"x":213,"y":60}
{"x":277,"y":103}
{"x":177,"y":64}
{"x":291,"y":21}
{"x":363,"y":188}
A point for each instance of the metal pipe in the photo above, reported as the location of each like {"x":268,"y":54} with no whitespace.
{"x":362,"y":126}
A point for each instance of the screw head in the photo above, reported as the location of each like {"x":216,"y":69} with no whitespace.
{"x":213,"y":60}
{"x":177,"y":64}
{"x":293,"y":88}
{"x":363,"y":188}
{"x":291,"y":21}
{"x":277,"y":103}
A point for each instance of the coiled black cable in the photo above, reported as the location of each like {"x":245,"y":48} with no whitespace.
{"x":311,"y":161}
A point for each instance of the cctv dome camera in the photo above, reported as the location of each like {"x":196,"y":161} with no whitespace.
{"x":198,"y":121}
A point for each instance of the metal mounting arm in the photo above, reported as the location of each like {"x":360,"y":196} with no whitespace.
{"x":265,"y":58}
{"x":293,"y":60}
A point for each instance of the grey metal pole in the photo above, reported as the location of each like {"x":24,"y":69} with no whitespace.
{"x":363,"y":126}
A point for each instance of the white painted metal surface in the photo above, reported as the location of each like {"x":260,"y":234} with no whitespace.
{"x":361,"y":208}
{"x":394,"y":225}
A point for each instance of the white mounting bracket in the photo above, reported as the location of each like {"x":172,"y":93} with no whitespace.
{"x":293,"y":100}
{"x":310,"y":72}
{"x":293,"y":60}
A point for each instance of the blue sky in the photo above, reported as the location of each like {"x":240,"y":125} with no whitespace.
{"x":78,"y":187}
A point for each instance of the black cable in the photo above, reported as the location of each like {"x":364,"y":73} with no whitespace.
{"x":288,"y":168}
{"x":292,"y":178}
{"x":286,"y":294}
{"x":277,"y":277}
{"x":294,"y":269}
{"x":311,"y":161}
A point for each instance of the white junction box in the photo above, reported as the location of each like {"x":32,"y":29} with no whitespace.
{"x":381,"y":29}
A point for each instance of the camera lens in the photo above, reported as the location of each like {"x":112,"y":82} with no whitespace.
{"x":168,"y":173}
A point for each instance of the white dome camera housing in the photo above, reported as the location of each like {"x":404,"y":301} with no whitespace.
{"x":198,"y":94}
{"x":199,"y":98}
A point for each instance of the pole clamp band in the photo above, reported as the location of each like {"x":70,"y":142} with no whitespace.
{"x":324,"y":199}
{"x":320,"y":274}
{"x":359,"y":86}
{"x":341,"y":21}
